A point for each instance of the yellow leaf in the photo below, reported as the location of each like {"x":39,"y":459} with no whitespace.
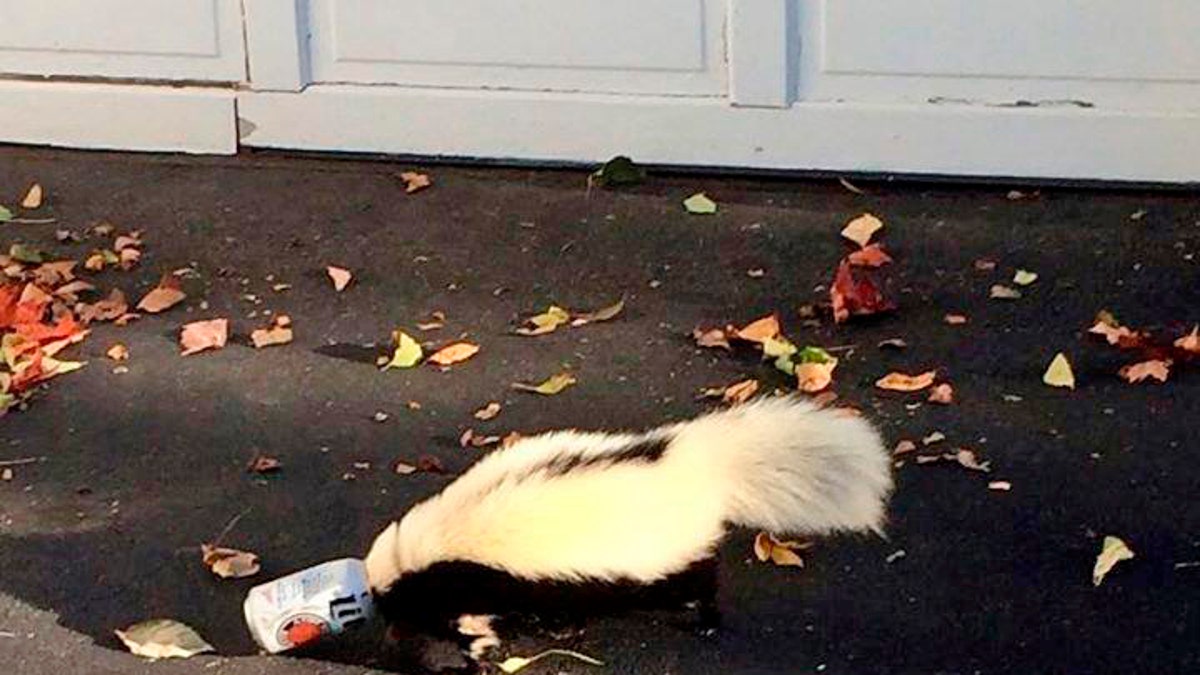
{"x":339,"y":276}
{"x":163,"y":639}
{"x":546,"y":322}
{"x":515,"y":663}
{"x":902,"y":382}
{"x":451,"y":354}
{"x":1024,"y":277}
{"x":780,"y":553}
{"x":33,"y":198}
{"x":407,"y":353}
{"x":603,"y":314}
{"x":554,"y":385}
{"x":861,"y":229}
{"x":700,"y":204}
{"x":1059,"y":373}
{"x":1113,"y":551}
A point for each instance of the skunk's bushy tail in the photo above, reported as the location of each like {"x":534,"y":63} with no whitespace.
{"x":790,"y":467}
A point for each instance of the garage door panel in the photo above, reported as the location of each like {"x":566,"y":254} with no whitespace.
{"x":180,"y":39}
{"x":662,"y":47}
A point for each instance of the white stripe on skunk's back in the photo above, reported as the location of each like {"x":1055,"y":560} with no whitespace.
{"x":571,"y":505}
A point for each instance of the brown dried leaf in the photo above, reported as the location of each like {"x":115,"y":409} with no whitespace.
{"x":339,"y":276}
{"x":229,"y":563}
{"x":488,"y":412}
{"x":781,"y":553}
{"x":861,"y":229}
{"x":278,"y":333}
{"x":714,"y":337}
{"x":740,"y":392}
{"x":430,"y":464}
{"x":118,"y":352}
{"x":902,"y":382}
{"x":264,"y":464}
{"x":454,"y":353}
{"x":163,"y":297}
{"x":1157,"y":369}
{"x":942,"y":393}
{"x":201,"y":335}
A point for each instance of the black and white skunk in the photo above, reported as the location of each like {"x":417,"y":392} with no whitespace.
{"x":570,"y":513}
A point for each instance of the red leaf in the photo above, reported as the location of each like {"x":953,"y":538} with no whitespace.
{"x":851,"y":296}
{"x":871,"y":255}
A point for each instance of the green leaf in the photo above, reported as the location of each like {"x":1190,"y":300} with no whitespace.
{"x":5,"y":215}
{"x":777,"y":346}
{"x":618,"y":171}
{"x":25,"y":254}
{"x":700,"y":204}
{"x":785,"y":364}
{"x":815,"y":355}
{"x":408,"y":351}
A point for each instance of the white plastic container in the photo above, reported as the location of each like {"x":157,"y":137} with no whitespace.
{"x":303,"y":607}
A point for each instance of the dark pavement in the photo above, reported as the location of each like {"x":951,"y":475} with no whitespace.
{"x":142,"y":467}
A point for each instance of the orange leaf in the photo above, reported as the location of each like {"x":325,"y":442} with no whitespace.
{"x":165,"y":296}
{"x":813,"y":377}
{"x":1114,"y":334}
{"x":118,"y":352}
{"x":201,"y":335}
{"x":740,"y":392}
{"x":1190,"y":342}
{"x":942,"y":393}
{"x":1154,"y":368}
{"x":278,"y":333}
{"x":455,"y":353}
{"x":871,"y":255}
{"x":340,"y":277}
{"x":714,"y":337}
{"x":902,"y":382}
{"x":760,"y":330}
{"x":414,"y":181}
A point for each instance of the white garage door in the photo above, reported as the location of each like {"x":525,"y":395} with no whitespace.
{"x":1106,"y":89}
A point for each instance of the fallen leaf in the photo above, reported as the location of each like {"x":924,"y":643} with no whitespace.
{"x":760,"y":330}
{"x":616,"y":172}
{"x":903,"y":448}
{"x":1059,"y":374}
{"x":430,"y":464}
{"x":756,"y":273}
{"x":229,"y":563}
{"x":902,"y":382}
{"x":415,"y":182}
{"x":861,"y":229}
{"x":1138,"y":215}
{"x":1024,"y":277}
{"x":71,"y":291}
{"x":740,"y":392}
{"x":934,"y":437}
{"x":163,"y":639}
{"x":1112,"y":551}
{"x":278,"y":333}
{"x":129,"y":257}
{"x":603,"y":314}
{"x":264,"y":464}
{"x":893,"y":343}
{"x":111,"y":308}
{"x":403,"y":469}
{"x":488,"y":412}
{"x":546,"y":322}
{"x":33,"y":198}
{"x":714,"y":337}
{"x":955,"y":319}
{"x":851,"y":187}
{"x":104,"y":229}
{"x":942,"y":393}
{"x":814,"y":376}
{"x":163,"y":297}
{"x":5,"y":214}
{"x":967,"y":459}
{"x":1190,"y":342}
{"x":1002,"y":292}
{"x":436,"y":320}
{"x":380,"y":416}
{"x":871,"y":255}
{"x":454,"y":353}
{"x":201,"y":335}
{"x":781,"y":553}
{"x":1157,"y":369}
{"x":554,"y":385}
{"x":515,"y":663}
{"x":474,"y":440}
{"x":26,"y":254}
{"x":407,"y":352}
{"x":985,"y":265}
{"x":118,"y":352}
{"x":850,"y":296}
{"x":339,"y":276}
{"x":700,"y":204}
{"x":1000,"y":485}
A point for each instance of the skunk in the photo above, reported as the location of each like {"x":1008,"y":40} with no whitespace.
{"x":565,"y":519}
